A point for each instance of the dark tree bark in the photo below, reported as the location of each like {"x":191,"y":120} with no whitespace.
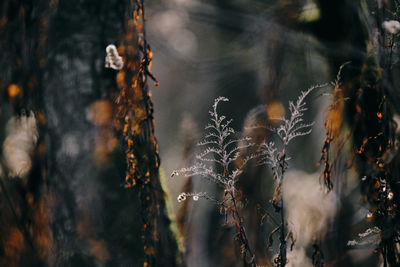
{"x":368,"y":112}
{"x":72,"y":208}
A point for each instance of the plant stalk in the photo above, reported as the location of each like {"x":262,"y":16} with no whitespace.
{"x":242,"y":235}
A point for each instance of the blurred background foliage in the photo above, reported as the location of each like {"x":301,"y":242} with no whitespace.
{"x":63,"y":190}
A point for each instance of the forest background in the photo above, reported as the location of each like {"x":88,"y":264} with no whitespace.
{"x":88,"y":146}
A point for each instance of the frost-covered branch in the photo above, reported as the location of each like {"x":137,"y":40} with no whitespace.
{"x":291,"y":127}
{"x":221,"y":147}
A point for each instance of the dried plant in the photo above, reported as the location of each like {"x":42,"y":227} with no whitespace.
{"x":333,"y":126}
{"x":221,"y":163}
{"x":290,"y":128}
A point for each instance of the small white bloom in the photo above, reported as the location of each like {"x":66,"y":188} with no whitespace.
{"x":390,"y":195}
{"x":369,"y":215}
{"x":391,"y":26}
{"x":182,"y":197}
{"x":195,"y":197}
